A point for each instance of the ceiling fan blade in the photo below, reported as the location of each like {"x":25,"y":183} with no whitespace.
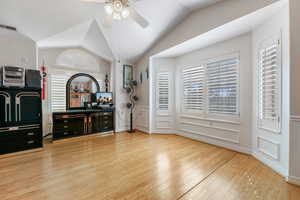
{"x":94,"y":1}
{"x":138,"y":18}
{"x":107,"y":22}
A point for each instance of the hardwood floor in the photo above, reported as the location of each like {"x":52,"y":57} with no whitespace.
{"x":139,"y":166}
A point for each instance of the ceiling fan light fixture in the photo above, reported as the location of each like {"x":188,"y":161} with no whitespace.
{"x":125,"y":13}
{"x":117,"y":16}
{"x":109,"y":9}
{"x":117,"y":6}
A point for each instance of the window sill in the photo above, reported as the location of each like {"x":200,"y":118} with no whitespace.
{"x":210,"y":119}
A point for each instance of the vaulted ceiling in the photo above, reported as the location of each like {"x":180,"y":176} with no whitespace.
{"x":63,"y":23}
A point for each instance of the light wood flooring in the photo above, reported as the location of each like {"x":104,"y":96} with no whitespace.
{"x":139,"y":166}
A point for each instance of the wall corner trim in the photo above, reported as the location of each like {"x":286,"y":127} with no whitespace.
{"x":295,"y":118}
{"x":293,"y":180}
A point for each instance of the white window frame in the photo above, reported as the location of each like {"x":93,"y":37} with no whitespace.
{"x":51,"y":94}
{"x":182,"y":91}
{"x":159,"y":111}
{"x":270,"y":125}
{"x":205,"y":111}
{"x":226,"y":57}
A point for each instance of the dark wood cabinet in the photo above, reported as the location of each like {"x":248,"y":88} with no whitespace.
{"x":95,"y":123}
{"x":78,"y":123}
{"x":20,"y":119}
{"x":20,"y":138}
{"x":5,"y":105}
{"x":106,"y":121}
{"x":69,"y":125}
{"x":28,"y":105}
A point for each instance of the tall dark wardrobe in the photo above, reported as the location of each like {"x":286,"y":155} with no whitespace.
{"x":21,"y":114}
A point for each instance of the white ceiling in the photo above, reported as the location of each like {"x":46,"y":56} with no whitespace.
{"x":74,"y":23}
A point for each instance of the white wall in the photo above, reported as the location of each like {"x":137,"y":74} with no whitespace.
{"x":229,"y":131}
{"x":17,"y":49}
{"x":294,"y":173}
{"x":121,"y":98}
{"x":268,"y":146}
{"x":73,"y":60}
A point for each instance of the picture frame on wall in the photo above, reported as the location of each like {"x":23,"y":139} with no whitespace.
{"x":127,"y":75}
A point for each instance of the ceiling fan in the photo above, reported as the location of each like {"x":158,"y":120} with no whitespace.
{"x":120,"y":9}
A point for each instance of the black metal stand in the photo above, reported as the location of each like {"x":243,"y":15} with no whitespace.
{"x":131,"y":123}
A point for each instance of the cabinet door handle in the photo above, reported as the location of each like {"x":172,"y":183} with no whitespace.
{"x":30,"y":134}
{"x":66,"y":133}
{"x":6,"y":113}
{"x":66,"y":126}
{"x":30,"y":142}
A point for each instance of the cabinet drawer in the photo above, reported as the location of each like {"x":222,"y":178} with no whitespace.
{"x":29,"y":143}
{"x":107,"y":125}
{"x":62,"y":134}
{"x":20,"y":140}
{"x":106,"y":117}
{"x":61,"y":128}
{"x":106,"y":114}
{"x":65,"y":123}
{"x":21,"y":135}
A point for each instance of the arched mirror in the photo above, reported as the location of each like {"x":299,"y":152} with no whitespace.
{"x":81,"y":90}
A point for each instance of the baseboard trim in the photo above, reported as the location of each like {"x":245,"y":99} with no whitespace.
{"x":276,"y":167}
{"x":142,"y":131}
{"x":166,"y":132}
{"x":293,"y":180}
{"x":121,"y":130}
{"x":145,"y":130}
{"x":216,"y":143}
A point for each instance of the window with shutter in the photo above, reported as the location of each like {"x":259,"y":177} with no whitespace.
{"x":58,"y":92}
{"x":222,"y":86}
{"x":193,"y":89}
{"x":270,"y":86}
{"x":163,"y":91}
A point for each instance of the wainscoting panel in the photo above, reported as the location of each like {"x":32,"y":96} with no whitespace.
{"x":164,"y":124}
{"x":268,"y":147}
{"x":141,"y":118}
{"x":216,"y":129}
{"x":227,"y":125}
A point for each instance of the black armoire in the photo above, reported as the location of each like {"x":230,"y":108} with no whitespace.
{"x":20,"y":119}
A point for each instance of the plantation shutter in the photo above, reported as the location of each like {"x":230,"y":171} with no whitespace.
{"x":269,"y":86}
{"x":163,"y":91}
{"x":193,"y":89}
{"x":58,"y":92}
{"x":222,"y":86}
